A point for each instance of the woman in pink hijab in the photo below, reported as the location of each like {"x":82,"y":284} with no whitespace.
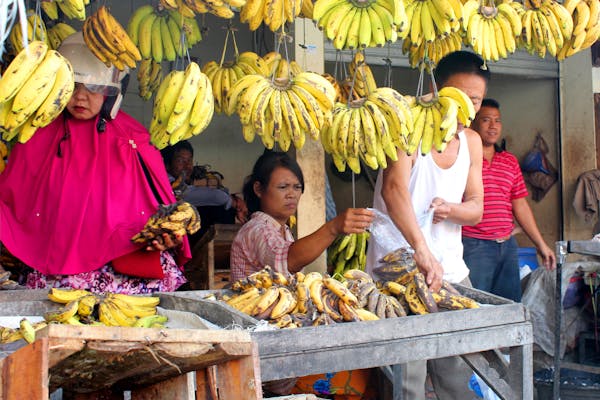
{"x":72,"y":197}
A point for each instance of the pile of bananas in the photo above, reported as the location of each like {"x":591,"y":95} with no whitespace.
{"x":492,"y":31}
{"x":586,"y":27}
{"x":302,"y":300}
{"x":432,"y":51}
{"x":149,"y":77}
{"x":109,"y":41}
{"x":279,"y":67}
{"x":183,"y":106}
{"x":158,"y":34}
{"x":432,"y":19}
{"x":353,"y":24}
{"x":26,"y":330}
{"x":401,"y":278}
{"x":282,"y":110}
{"x":81,"y":307}
{"x":177,"y":219}
{"x":36,"y":30}
{"x":273,"y":13}
{"x":57,"y":33}
{"x":368,"y":129}
{"x":3,"y":155}
{"x":435,"y":119}
{"x":34,"y":89}
{"x":546,"y":26}
{"x":224,"y":76}
{"x":347,"y":252}
{"x":220,"y":8}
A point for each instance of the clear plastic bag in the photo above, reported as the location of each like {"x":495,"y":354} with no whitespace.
{"x":388,"y":238}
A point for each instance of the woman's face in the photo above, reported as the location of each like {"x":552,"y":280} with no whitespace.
{"x":280,"y":198}
{"x":84,"y":104}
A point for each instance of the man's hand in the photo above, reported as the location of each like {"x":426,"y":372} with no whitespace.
{"x":441,"y":209}
{"x":430,"y":267}
{"x":548,"y":257}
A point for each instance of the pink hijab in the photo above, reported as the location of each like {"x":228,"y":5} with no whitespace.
{"x":71,"y":203}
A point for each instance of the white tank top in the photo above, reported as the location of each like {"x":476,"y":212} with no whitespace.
{"x":428,"y":180}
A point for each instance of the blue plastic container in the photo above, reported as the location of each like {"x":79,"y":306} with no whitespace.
{"x":528,"y":256}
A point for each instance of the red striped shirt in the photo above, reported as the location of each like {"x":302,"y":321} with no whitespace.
{"x":502,"y":183}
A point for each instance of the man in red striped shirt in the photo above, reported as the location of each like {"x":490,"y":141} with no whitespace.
{"x":490,"y":250}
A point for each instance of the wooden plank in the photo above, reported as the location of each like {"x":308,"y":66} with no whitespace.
{"x":129,"y":334}
{"x":25,"y":373}
{"x":336,"y":335}
{"x":176,"y":388}
{"x":61,"y":348}
{"x":206,"y":387}
{"x":580,"y":367}
{"x":289,"y":359}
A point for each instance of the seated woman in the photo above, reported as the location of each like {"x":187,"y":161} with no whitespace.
{"x":73,"y":196}
{"x":272,"y":193}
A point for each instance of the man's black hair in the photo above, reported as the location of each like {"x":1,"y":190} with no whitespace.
{"x":460,"y":62}
{"x":168,"y":153}
{"x":489,"y":102}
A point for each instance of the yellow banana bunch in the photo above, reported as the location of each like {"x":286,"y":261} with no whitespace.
{"x":362,"y":76}
{"x":585,"y":15}
{"x":436,"y":119}
{"x":34,"y":90}
{"x":177,"y":219}
{"x":352,"y":24}
{"x":274,"y":13}
{"x":546,"y":27}
{"x":224,"y":76}
{"x":220,"y":8}
{"x":339,"y":95}
{"x":109,"y":41}
{"x":347,"y":252}
{"x":279,"y":67}
{"x":432,"y":51}
{"x":36,"y":31}
{"x":58,"y":32}
{"x":429,"y":20}
{"x":306,"y":9}
{"x":73,"y":9}
{"x":282,"y":110}
{"x":149,"y":77}
{"x":183,"y":106}
{"x":368,"y":129}
{"x":50,"y":8}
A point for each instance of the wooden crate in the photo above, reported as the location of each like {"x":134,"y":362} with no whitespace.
{"x":152,"y":363}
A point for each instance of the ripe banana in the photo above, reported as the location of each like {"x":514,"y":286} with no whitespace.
{"x":64,"y":296}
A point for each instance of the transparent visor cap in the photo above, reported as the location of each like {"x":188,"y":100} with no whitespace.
{"x":88,"y":69}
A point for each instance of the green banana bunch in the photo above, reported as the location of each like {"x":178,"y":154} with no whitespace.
{"x":347,"y":252}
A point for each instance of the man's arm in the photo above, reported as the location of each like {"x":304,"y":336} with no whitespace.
{"x":400,"y":209}
{"x":526,"y":220}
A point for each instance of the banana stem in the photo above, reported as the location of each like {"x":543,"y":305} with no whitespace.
{"x":224,"y":49}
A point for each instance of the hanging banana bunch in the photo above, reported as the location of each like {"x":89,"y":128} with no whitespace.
{"x":364,"y":81}
{"x":162,"y":35}
{"x":219,"y":8}
{"x":73,"y":9}
{"x":434,"y":51}
{"x":353,"y":24}
{"x":436,"y":117}
{"x":34,"y":89}
{"x":273,"y":13}
{"x":149,"y":77}
{"x":108,"y":40}
{"x":224,"y":75}
{"x":432,"y":19}
{"x":282,"y":110}
{"x":279,"y":67}
{"x":36,"y":30}
{"x":183,"y":106}
{"x":306,"y":9}
{"x":339,"y":96}
{"x":57,"y":33}
{"x":585,"y":25}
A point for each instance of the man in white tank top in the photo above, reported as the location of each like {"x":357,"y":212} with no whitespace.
{"x":450,"y":183}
